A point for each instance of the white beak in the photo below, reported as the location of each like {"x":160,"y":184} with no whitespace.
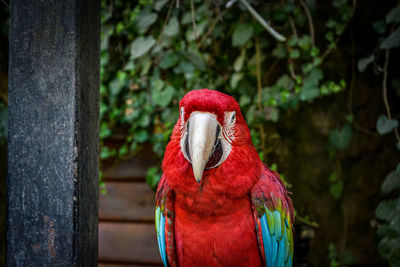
{"x":202,"y":137}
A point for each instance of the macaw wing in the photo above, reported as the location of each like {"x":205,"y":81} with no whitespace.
{"x":160,"y":228}
{"x":273,"y":214}
{"x":164,"y":219}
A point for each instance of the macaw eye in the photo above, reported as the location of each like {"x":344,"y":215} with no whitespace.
{"x":182,"y":115}
{"x":233,"y":117}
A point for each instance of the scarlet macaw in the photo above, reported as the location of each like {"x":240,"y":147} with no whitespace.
{"x":216,"y":203}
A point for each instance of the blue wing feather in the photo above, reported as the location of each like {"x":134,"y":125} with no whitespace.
{"x":160,"y":228}
{"x":274,"y":232}
{"x":266,"y":236}
{"x":280,"y":257}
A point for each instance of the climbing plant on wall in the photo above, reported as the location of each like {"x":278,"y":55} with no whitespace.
{"x":156,"y":51}
{"x":388,"y":211}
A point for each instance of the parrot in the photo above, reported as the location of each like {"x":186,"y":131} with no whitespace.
{"x":217,"y":204}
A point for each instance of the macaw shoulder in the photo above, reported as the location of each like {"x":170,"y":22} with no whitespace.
{"x":165,"y":197}
{"x":162,"y":190}
{"x":271,"y":192}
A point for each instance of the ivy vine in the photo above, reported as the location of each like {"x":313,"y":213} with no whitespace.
{"x":153,"y":52}
{"x":388,"y":211}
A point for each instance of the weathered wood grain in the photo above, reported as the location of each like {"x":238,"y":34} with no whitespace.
{"x":128,"y":243}
{"x":52,"y":181}
{"x":127,"y":201}
{"x":133,"y":169}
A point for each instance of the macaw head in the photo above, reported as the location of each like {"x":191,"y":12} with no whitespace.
{"x":211,"y":139}
{"x":210,"y":123}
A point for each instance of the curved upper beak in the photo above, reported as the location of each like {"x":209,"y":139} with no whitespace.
{"x":202,"y":130}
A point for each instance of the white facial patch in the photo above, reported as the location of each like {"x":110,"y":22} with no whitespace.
{"x":221,"y":141}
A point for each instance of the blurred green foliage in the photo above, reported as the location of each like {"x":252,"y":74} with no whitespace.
{"x":388,"y":211}
{"x":154,"y":52}
{"x":336,"y":260}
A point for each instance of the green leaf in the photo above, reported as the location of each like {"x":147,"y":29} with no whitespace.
{"x":324,"y":90}
{"x":331,"y":23}
{"x":191,"y":35}
{"x":349,"y":118}
{"x":333,"y":87}
{"x":144,"y":20}
{"x":123,"y":150}
{"x":235,"y":79}
{"x":305,"y":42}
{"x":118,"y":83}
{"x":285,"y":82}
{"x":308,"y":93}
{"x":102,"y":184}
{"x":244,"y":100}
{"x":384,"y":125}
{"x":153,"y":176}
{"x":279,"y":51}
{"x":163,"y":97}
{"x":294,"y":53}
{"x":394,"y":15}
{"x":119,"y":27}
{"x":157,"y":84}
{"x":310,"y":88}
{"x":106,"y":152}
{"x":104,"y":130}
{"x":243,"y":32}
{"x":274,"y":167}
{"x":380,"y":26}
{"x":159,"y":4}
{"x":329,"y":36}
{"x":314,"y":51}
{"x":364,"y":62}
{"x":336,"y":189}
{"x":250,"y":114}
{"x":184,"y":67}
{"x":187,"y":18}
{"x":145,"y":120}
{"x":340,"y":139}
{"x":196,"y":60}
{"x":392,"y":41}
{"x":172,"y":27}
{"x":314,"y":77}
{"x":285,"y":96}
{"x":146,"y":64}
{"x":141,"y":45}
{"x":293,"y":40}
{"x":129,"y":66}
{"x":391,"y":182}
{"x":332,"y":254}
{"x":239,"y":61}
{"x":272,"y":114}
{"x":169,"y":60}
{"x":386,"y":210}
{"x":141,"y":136}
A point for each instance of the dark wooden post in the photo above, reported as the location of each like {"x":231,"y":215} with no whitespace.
{"x":52,"y":182}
